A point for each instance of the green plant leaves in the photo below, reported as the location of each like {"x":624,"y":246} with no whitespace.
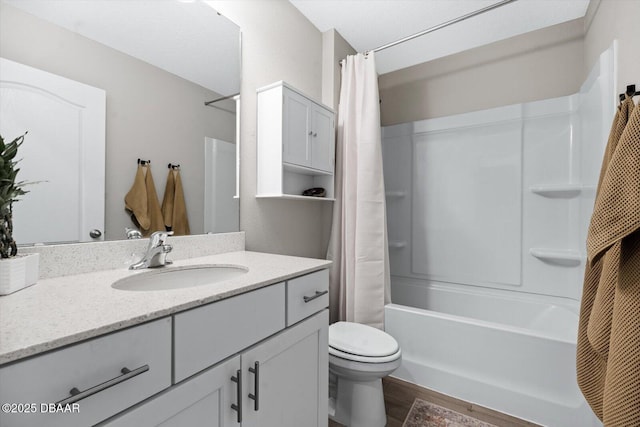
{"x":10,"y":190}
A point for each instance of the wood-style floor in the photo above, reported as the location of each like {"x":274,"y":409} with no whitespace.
{"x":399,"y":396}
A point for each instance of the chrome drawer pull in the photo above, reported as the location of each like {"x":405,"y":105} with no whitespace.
{"x":256,"y":385}
{"x":238,"y":407}
{"x":77,"y":395}
{"x":317,"y":295}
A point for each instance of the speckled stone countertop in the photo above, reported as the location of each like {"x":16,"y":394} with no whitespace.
{"x":64,"y":310}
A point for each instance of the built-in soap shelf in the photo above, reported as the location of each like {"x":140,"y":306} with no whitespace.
{"x":395,"y":194}
{"x":559,"y":191}
{"x":397,"y":244}
{"x":564,"y":257}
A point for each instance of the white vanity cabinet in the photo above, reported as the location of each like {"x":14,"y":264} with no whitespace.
{"x":98,"y":378}
{"x":288,"y":376}
{"x":237,"y":363}
{"x":205,"y":399}
{"x":296,"y":143}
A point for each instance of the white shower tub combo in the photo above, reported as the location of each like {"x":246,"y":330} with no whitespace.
{"x":515,"y":355}
{"x":487,"y":214}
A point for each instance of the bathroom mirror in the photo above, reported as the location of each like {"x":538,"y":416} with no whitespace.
{"x":158,"y":63}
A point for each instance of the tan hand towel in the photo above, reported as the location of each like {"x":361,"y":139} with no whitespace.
{"x":608,"y":353}
{"x":142,"y":202}
{"x":136,"y":200}
{"x":167,"y":201}
{"x":174,"y":208}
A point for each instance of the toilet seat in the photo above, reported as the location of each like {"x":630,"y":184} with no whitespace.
{"x":364,"y":359}
{"x":362,"y":343}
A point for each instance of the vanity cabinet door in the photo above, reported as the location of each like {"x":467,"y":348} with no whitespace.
{"x":205,"y":399}
{"x":291,"y":385}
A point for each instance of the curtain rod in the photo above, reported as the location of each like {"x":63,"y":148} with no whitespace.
{"x":440,"y":26}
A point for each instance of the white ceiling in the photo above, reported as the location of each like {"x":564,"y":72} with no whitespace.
{"x":367,"y":24}
{"x":186,"y":38}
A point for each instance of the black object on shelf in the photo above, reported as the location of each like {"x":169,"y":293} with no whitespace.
{"x":314,"y":192}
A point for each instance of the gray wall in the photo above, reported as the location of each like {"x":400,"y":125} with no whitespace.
{"x":278,"y":43}
{"x":151,"y":113}
{"x":541,"y":64}
{"x":334,"y":49}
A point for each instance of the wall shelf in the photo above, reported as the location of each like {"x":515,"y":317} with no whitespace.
{"x":558,"y":191}
{"x":562,"y":257}
{"x":293,"y":197}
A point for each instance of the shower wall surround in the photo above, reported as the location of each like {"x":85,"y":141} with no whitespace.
{"x":498,"y":198}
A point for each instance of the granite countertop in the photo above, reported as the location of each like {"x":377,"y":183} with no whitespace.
{"x":65,"y":310}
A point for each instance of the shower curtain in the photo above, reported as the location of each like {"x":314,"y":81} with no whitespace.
{"x":359,"y":279}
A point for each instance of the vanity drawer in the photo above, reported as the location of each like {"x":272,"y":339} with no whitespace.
{"x":97,"y":369}
{"x":206,"y":335}
{"x":307,"y":295}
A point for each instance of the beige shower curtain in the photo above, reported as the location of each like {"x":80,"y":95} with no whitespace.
{"x":359,"y":280}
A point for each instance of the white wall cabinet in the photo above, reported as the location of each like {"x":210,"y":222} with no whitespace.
{"x":296,"y":143}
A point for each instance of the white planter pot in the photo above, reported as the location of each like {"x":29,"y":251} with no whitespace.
{"x":18,"y":272}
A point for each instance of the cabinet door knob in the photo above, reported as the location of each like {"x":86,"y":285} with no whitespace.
{"x":94,"y":234}
{"x":310,"y":133}
{"x":238,"y":407}
{"x":315,"y":134}
{"x":256,"y":385}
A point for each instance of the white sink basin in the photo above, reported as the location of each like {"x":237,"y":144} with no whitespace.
{"x":166,"y":278}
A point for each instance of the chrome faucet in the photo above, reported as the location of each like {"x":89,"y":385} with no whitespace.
{"x":157,"y":251}
{"x":132,"y":233}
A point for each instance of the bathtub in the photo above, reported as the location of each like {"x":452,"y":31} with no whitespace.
{"x":504,"y":350}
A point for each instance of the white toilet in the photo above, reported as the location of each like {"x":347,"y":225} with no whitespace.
{"x":359,"y":356}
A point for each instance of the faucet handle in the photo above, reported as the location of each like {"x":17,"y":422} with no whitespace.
{"x":158,"y":237}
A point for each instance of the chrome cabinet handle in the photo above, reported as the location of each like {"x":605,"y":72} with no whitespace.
{"x":77,"y":395}
{"x":318,"y":294}
{"x":256,"y":385}
{"x":238,"y":407}
{"x":95,"y":233}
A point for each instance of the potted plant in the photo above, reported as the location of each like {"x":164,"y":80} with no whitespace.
{"x":16,"y":272}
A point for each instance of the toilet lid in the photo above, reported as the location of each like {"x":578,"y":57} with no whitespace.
{"x":361,"y":340}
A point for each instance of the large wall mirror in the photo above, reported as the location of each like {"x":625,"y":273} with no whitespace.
{"x":159,"y":64}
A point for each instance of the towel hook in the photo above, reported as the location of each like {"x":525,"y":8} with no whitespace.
{"x":174,"y":167}
{"x":630,"y":92}
{"x":144,"y":162}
